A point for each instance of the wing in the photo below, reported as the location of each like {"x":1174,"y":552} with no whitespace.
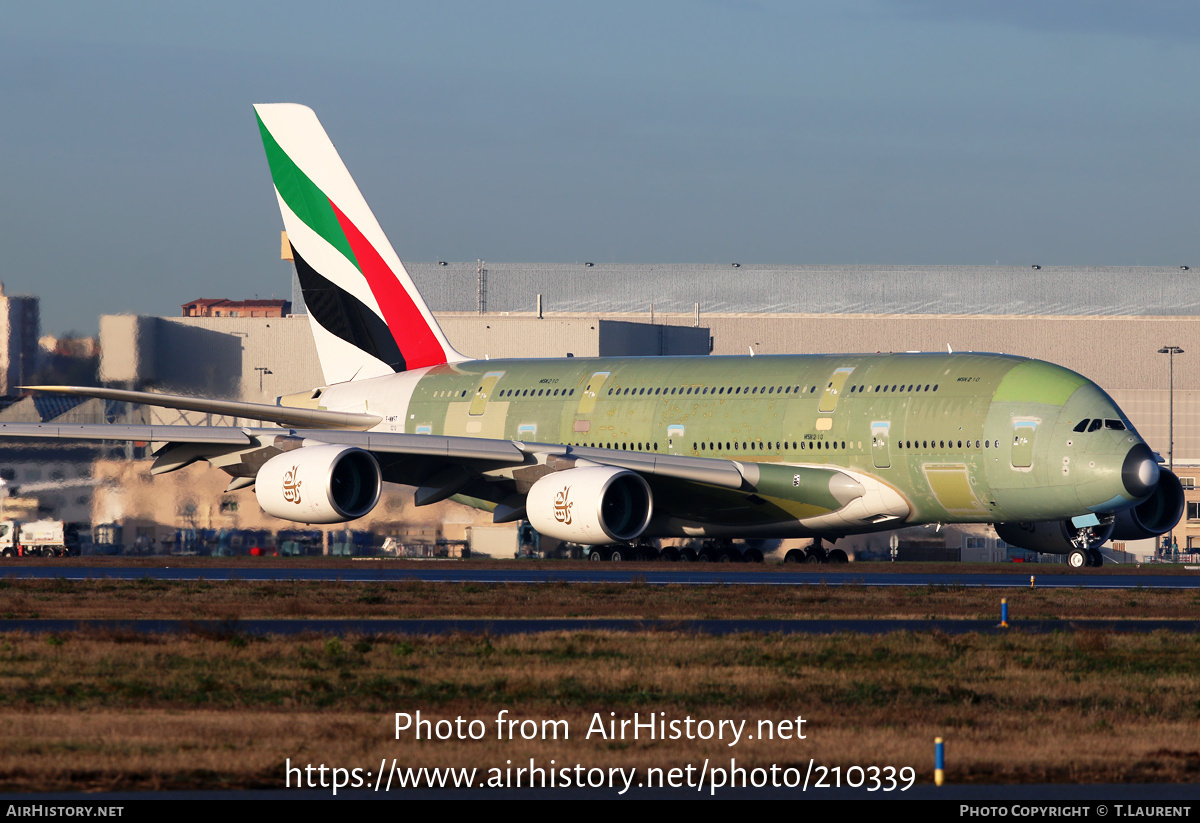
{"x":283,"y":415}
{"x":685,"y":495}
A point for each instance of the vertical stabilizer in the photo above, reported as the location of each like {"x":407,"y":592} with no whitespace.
{"x":367,"y":317}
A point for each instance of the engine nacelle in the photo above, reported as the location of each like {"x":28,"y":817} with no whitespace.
{"x":1053,"y":536}
{"x":592,"y":505}
{"x":319,"y":484}
{"x":1157,"y":514}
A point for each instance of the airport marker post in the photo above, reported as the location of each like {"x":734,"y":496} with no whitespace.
{"x":939,"y":761}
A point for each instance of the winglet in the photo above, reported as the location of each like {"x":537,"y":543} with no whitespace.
{"x":367,"y":317}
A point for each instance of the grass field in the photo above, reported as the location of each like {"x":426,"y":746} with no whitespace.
{"x":91,"y":710}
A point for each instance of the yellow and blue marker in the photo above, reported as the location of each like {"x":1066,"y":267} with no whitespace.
{"x":939,"y":761}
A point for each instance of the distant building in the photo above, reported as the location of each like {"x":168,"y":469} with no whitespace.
{"x":220,"y":307}
{"x":19,"y":321}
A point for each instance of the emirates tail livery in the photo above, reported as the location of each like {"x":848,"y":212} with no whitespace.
{"x":621,"y":451}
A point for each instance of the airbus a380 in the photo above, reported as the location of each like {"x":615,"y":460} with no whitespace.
{"x":616,"y":451}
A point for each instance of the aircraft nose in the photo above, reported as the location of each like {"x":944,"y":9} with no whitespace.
{"x":1140,"y":471}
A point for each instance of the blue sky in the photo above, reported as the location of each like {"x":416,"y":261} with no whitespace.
{"x":921,"y":132}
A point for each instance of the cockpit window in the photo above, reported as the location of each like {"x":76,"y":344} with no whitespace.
{"x":1096,"y":424}
{"x":1115,"y":425}
{"x":1082,"y":425}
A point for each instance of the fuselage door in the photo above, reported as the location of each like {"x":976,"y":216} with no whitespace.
{"x":879,"y":443}
{"x":1022,"y":446}
{"x":483,"y":392}
{"x":587,"y":403}
{"x":833,"y":388}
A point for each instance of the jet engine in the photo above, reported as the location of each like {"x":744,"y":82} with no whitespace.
{"x":1053,"y":536}
{"x":592,"y":505}
{"x":1155,"y":515}
{"x":319,"y":484}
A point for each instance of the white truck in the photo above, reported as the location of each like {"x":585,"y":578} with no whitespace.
{"x":41,"y":538}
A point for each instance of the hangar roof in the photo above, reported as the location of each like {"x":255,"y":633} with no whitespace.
{"x":859,"y":289}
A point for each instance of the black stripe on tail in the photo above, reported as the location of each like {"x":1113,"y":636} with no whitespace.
{"x":345,"y":316}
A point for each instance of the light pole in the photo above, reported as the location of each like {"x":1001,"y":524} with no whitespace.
{"x":261,"y":371}
{"x":1170,"y":352}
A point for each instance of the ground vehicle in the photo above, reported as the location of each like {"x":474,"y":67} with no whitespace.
{"x":41,"y":538}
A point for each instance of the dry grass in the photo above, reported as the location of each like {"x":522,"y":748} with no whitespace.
{"x":107,"y":710}
{"x":148,"y":598}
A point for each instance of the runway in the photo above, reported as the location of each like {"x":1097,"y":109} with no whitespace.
{"x":631,"y":573}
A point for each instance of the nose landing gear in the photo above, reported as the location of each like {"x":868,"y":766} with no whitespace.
{"x":1079,"y":558}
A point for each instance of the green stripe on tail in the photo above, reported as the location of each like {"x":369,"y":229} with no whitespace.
{"x":303,"y":197}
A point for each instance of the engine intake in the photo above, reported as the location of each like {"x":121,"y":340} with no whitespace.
{"x":591,"y":505}
{"x":1157,"y":514}
{"x":319,"y":484}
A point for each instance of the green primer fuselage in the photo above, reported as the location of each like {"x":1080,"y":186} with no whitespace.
{"x":960,"y":437}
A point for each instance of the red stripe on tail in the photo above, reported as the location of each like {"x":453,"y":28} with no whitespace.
{"x":418,"y":344}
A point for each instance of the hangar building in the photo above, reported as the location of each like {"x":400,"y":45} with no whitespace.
{"x":1108,"y":323}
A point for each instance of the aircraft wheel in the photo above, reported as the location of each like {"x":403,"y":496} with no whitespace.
{"x":838,"y":556}
{"x":7,"y":552}
{"x":595,"y":556}
{"x":794,"y":556}
{"x":753,"y":556}
{"x":814,"y":556}
{"x":687,"y":556}
{"x":724,"y":557}
{"x":1077,"y":559}
{"x":615,"y":556}
{"x":1095,"y":558}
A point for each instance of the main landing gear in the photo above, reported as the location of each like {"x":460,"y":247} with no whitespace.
{"x":709,"y":551}
{"x":816,"y":553}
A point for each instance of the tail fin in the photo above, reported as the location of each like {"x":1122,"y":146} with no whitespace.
{"x":367,"y":317}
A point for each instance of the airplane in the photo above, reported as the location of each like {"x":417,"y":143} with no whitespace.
{"x":614,"y":453}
